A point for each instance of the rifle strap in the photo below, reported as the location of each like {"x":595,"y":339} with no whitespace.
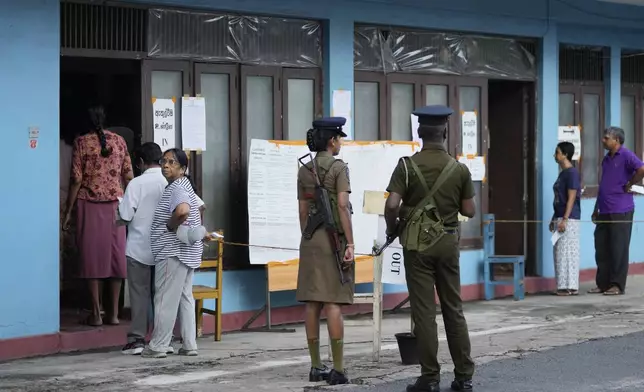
{"x":322,"y":178}
{"x":447,"y":170}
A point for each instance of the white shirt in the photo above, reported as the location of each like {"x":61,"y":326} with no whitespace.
{"x":137,"y":209}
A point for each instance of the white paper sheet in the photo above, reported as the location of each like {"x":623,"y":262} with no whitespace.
{"x":470,"y":133}
{"x":414,"y":130}
{"x":163,"y":120}
{"x":193,"y":123}
{"x":393,"y":262}
{"x":341,"y":107}
{"x":637,"y":189}
{"x":476,"y":166}
{"x":573,"y":135}
{"x":272,"y":193}
{"x":555,"y":237}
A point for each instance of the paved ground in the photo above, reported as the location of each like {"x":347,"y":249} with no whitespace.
{"x":501,"y":332}
{"x":576,"y":368}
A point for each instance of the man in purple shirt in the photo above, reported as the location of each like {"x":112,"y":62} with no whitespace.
{"x":613,"y":213}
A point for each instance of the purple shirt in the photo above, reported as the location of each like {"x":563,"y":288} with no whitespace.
{"x":616,"y":172}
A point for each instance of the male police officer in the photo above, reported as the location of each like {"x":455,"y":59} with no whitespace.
{"x":433,"y":188}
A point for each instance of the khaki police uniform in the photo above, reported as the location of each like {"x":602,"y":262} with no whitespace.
{"x":439,"y":266}
{"x":318,"y":278}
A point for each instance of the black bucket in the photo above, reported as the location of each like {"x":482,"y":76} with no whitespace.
{"x":408,"y":348}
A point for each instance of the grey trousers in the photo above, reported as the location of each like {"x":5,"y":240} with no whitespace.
{"x":173,"y":294}
{"x":141,"y":289}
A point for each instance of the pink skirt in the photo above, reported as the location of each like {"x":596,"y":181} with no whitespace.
{"x":101,"y":243}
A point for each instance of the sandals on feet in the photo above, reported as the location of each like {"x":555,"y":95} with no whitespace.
{"x":614,"y":290}
{"x":596,"y":290}
{"x":91,"y":321}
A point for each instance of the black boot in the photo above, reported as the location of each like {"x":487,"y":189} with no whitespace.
{"x":462,"y":385}
{"x":337,"y":378}
{"x":319,"y":374}
{"x":423,"y":385}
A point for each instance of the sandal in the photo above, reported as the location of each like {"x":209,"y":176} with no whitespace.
{"x":91,"y":321}
{"x":574,"y":292}
{"x":596,"y":290}
{"x":614,"y":290}
{"x":562,"y":293}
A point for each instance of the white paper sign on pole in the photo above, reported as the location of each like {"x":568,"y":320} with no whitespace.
{"x":341,"y":107}
{"x":193,"y":123}
{"x":163,"y":119}
{"x":476,"y":166}
{"x":571,"y":134}
{"x":470,"y":133}
{"x":393,"y":263}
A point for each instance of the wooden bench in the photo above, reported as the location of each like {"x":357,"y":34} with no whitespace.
{"x":201,"y":292}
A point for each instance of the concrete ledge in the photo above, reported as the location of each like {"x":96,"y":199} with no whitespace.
{"x":114,"y":336}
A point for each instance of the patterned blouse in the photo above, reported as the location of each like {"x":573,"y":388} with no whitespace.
{"x":100,"y":177}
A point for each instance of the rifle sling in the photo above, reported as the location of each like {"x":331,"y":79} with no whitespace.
{"x":447,"y":170}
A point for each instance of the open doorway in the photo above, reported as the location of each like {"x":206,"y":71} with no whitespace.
{"x":511,"y":168}
{"x":84,"y":82}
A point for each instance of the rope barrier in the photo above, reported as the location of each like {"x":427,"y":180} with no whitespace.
{"x":532,"y":221}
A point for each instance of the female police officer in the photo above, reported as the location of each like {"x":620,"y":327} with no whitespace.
{"x":325,"y":264}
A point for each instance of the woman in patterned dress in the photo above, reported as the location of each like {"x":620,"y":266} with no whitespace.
{"x":101,"y":168}
{"x":565,"y":220}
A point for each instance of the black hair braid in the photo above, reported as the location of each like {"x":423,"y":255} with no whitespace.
{"x":97,"y":115}
{"x":310,"y":140}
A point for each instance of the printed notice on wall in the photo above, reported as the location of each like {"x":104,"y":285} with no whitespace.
{"x":341,"y":107}
{"x":193,"y":123}
{"x":163,"y":113}
{"x":470,"y":133}
{"x":573,"y":135}
{"x":414,"y":130}
{"x":476,"y":164}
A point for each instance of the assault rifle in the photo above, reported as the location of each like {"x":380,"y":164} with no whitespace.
{"x":375,"y":251}
{"x":323,"y":215}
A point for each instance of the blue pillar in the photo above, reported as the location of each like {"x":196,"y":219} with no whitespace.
{"x":547,"y":123}
{"x":613,"y":85}
{"x":338,"y":60}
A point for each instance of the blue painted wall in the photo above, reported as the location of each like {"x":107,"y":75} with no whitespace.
{"x":29,"y":43}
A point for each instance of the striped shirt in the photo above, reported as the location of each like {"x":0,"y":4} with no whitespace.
{"x":165,"y":244}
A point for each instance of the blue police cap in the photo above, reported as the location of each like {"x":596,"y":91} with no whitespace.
{"x":433,"y":114}
{"x":331,"y":123}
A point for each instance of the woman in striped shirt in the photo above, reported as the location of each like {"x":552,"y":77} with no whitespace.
{"x":176,"y":257}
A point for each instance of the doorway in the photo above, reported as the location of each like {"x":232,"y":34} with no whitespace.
{"x":511,"y":168}
{"x":85,"y":82}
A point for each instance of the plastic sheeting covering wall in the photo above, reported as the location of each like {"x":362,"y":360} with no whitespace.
{"x":399,"y":50}
{"x":234,"y":38}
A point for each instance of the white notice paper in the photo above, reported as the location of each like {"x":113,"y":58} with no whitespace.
{"x":341,"y":107}
{"x":163,"y":116}
{"x":470,"y":133}
{"x":193,"y":123}
{"x":572,"y":135}
{"x":414,"y":130}
{"x":476,"y":166}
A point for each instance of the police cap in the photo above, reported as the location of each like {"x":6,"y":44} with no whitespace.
{"x":433,"y":114}
{"x":332,"y":124}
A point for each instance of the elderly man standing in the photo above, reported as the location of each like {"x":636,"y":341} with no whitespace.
{"x":613,"y":213}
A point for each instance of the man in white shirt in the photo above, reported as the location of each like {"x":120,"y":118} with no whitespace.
{"x":137,"y":210}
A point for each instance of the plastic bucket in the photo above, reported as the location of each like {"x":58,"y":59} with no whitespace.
{"x":408,"y":348}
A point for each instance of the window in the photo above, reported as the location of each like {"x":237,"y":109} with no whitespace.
{"x":583,"y":105}
{"x":369,"y":106}
{"x":632,"y":118}
{"x":405,"y":92}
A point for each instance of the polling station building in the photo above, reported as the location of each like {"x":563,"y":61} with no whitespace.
{"x":267,"y":68}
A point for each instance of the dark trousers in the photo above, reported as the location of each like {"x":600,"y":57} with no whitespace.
{"x":439,"y":267}
{"x":612,"y":242}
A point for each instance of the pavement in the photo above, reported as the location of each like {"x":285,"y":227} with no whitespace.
{"x":543,"y":343}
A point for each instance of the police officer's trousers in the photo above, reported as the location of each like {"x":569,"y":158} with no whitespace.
{"x":438,"y":267}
